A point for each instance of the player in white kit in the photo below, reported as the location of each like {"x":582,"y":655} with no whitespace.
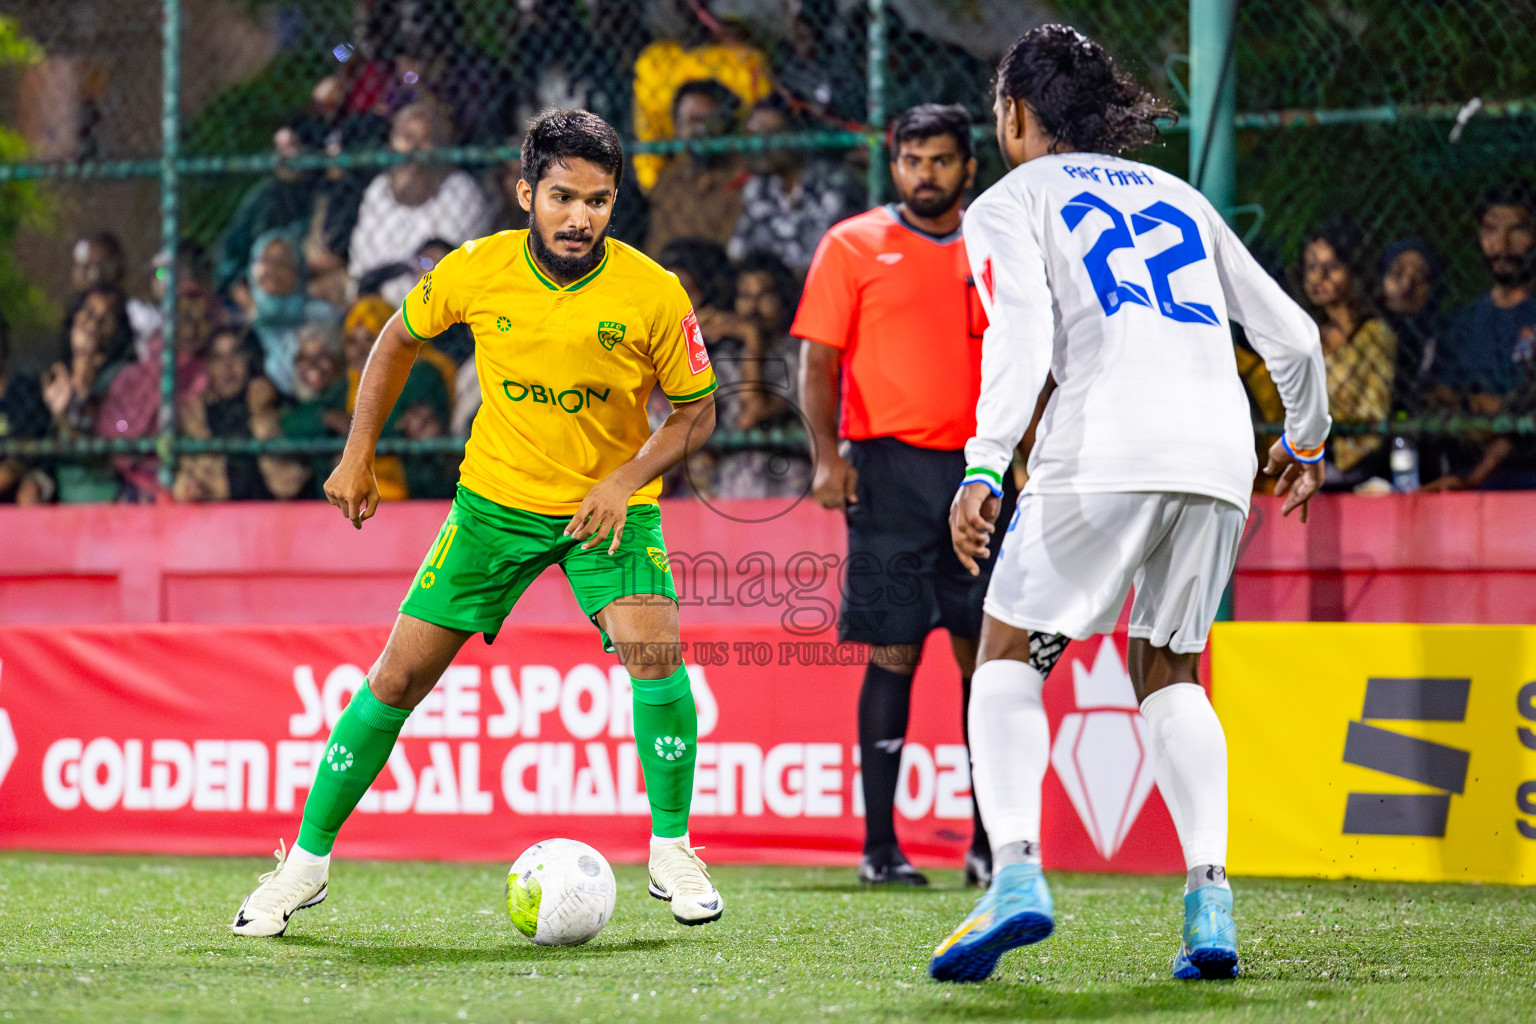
{"x":1116,"y":281}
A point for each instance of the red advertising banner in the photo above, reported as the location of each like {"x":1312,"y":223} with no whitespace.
{"x":204,"y":739}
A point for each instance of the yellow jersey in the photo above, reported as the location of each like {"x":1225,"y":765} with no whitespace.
{"x":564,"y":372}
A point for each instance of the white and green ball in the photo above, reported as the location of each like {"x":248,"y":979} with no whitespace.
{"x":560,"y":892}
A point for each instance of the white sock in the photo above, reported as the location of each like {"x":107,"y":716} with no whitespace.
{"x":1189,"y":760}
{"x":1010,"y":747}
{"x":302,"y":857}
{"x":660,"y":841}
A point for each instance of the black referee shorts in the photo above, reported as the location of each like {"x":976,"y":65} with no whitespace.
{"x":902,"y":578}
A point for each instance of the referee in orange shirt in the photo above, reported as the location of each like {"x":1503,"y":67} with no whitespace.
{"x":889,"y":308}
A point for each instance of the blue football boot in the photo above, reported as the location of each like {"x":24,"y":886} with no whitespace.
{"x":1210,"y":938}
{"x":1014,"y":911}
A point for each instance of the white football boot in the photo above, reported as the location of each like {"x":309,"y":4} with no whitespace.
{"x":284,"y":889}
{"x":680,"y":878}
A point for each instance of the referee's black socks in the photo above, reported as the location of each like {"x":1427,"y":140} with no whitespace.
{"x":885,"y":704}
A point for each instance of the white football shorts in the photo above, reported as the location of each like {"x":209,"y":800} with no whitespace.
{"x":1068,"y":560}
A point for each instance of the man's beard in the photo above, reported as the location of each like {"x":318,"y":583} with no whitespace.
{"x":569,"y":268}
{"x":1509,"y":271}
{"x":933,"y":204}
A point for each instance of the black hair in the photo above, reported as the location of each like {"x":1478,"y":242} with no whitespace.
{"x":119,"y":345}
{"x":1077,"y":92}
{"x":1347,"y":241}
{"x":706,"y":262}
{"x":711,"y":89}
{"x":1508,"y":193}
{"x":928,"y":120}
{"x":435,"y":241}
{"x":108,"y":241}
{"x":762,"y":261}
{"x":778,"y":105}
{"x":559,"y":135}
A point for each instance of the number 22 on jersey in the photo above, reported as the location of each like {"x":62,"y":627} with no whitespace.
{"x":1114,"y":293}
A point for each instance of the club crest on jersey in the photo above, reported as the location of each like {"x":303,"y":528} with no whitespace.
{"x":609,"y":334}
{"x":658,"y":558}
{"x":426,"y":289}
{"x":986,"y":278}
{"x":698,"y":356}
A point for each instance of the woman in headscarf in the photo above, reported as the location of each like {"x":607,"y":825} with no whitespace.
{"x":280,"y":305}
{"x":1412,"y":283}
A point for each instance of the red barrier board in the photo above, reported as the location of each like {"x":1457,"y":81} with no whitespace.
{"x":204,"y":740}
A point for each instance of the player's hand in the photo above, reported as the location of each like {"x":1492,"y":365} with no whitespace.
{"x":1298,"y":482}
{"x":602,"y":514}
{"x":836,"y":482}
{"x":353,"y":489}
{"x":972,"y":518}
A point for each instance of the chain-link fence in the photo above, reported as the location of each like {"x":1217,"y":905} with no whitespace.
{"x":325,"y":154}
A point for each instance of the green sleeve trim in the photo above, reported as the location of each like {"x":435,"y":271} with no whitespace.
{"x":675,"y":399}
{"x":407,"y":318}
{"x":991,"y":474}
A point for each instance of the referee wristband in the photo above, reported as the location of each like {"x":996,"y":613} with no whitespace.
{"x":1306,"y":455}
{"x":982,"y":475}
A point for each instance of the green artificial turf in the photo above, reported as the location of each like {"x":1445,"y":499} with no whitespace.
{"x":145,"y":938}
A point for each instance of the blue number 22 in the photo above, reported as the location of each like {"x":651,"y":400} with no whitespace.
{"x":1114,"y":293}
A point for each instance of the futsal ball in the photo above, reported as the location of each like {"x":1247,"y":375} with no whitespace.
{"x":560,"y":892}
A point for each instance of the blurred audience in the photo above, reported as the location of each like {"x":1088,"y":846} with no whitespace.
{"x":1487,"y":361}
{"x":705,"y":51}
{"x":97,"y":345}
{"x":279,"y":203}
{"x":790,"y":200}
{"x":1412,"y":280}
{"x":1359,"y":350}
{"x":98,"y":259}
{"x":23,"y":416}
{"x":413,"y":202}
{"x":698,"y":195}
{"x":224,"y":409}
{"x":276,"y":304}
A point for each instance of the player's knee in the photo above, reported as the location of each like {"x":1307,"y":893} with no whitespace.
{"x":397,"y":687}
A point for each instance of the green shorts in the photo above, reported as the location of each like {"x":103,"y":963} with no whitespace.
{"x":487,"y":554}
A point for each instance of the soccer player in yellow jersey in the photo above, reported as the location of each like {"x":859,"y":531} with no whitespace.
{"x":572,"y":331}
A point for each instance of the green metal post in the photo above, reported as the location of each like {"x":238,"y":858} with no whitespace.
{"x":170,"y":231}
{"x":877,"y":172}
{"x":1212,"y":101}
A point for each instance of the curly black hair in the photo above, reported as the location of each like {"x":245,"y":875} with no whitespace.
{"x":557,"y":135}
{"x":1077,"y":92}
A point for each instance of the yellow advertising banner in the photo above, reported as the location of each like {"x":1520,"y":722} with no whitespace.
{"x":1380,"y":751}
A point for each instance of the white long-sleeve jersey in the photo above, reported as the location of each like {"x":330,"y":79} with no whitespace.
{"x":1118,"y":278}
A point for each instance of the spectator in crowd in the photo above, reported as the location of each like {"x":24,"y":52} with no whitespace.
{"x":892,"y":333}
{"x":22,"y":416}
{"x":277,"y":304}
{"x":97,"y":258}
{"x":431,"y":381}
{"x":280,"y":202}
{"x":131,"y":406}
{"x":1358,"y":348}
{"x":394,"y":281}
{"x":413,"y":202}
{"x":790,"y":200}
{"x":1487,"y":361}
{"x":758,"y":383}
{"x":429,"y":56}
{"x":1412,"y":279}
{"x":823,"y":63}
{"x":319,"y":390}
{"x":97,"y":344}
{"x":705,"y":52}
{"x":338,"y":193}
{"x":697,"y":195}
{"x":223,"y":409}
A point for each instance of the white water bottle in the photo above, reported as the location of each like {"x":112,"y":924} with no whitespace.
{"x":1404,"y":461}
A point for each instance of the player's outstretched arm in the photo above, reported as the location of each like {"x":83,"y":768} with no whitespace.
{"x":351,"y":486}
{"x":604,"y":509}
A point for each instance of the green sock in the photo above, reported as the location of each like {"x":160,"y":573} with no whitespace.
{"x":355,"y":754}
{"x":666,"y":733}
